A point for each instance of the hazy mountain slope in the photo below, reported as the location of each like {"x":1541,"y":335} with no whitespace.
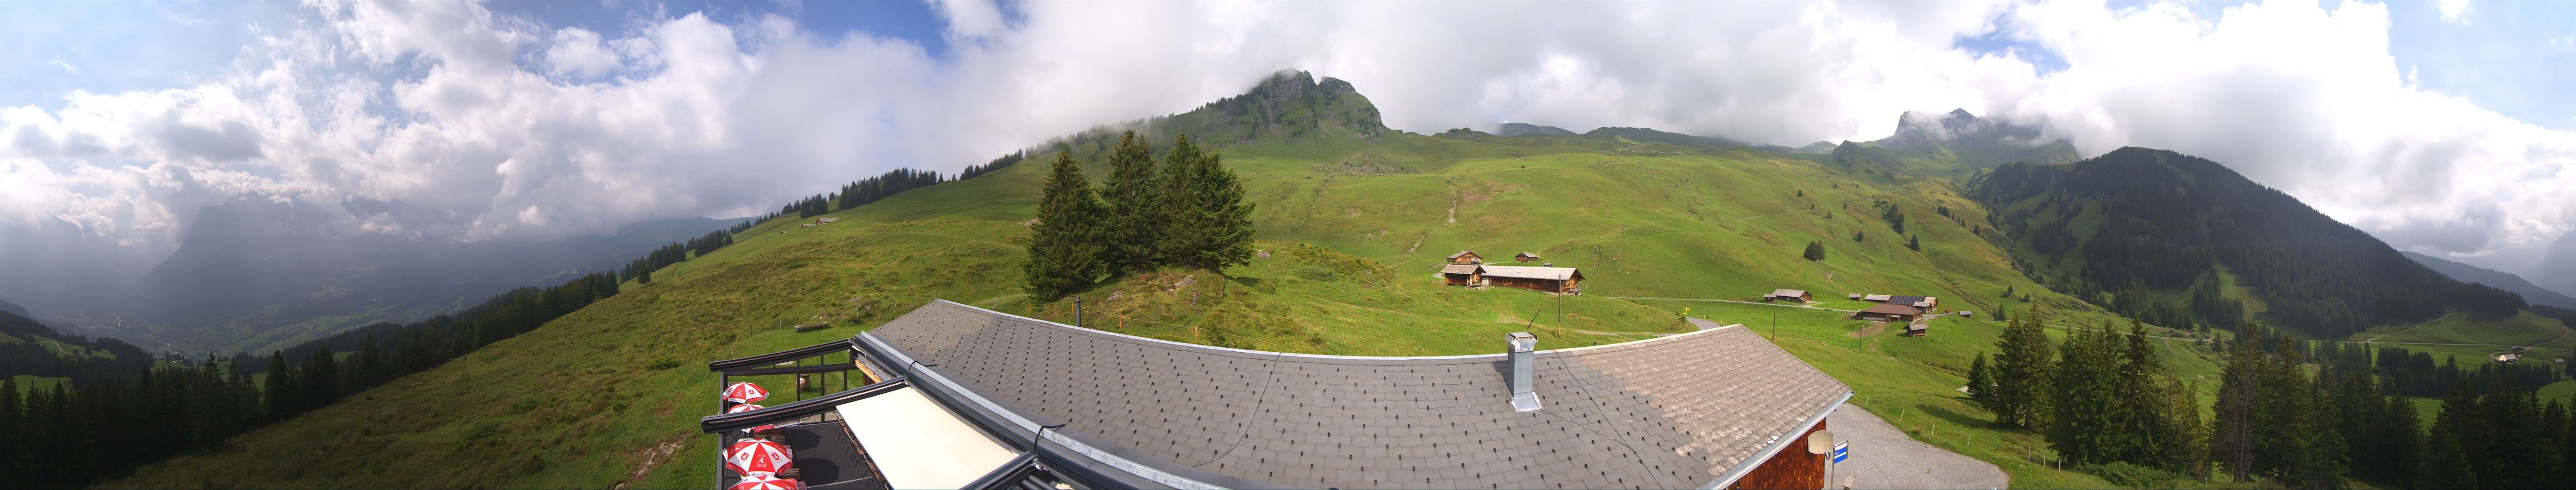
{"x":256,"y":275}
{"x":1975,"y":143}
{"x":55,"y":266}
{"x":2501,"y":280}
{"x":2557,"y":269}
{"x":2137,"y":221}
{"x":14,"y":309}
{"x":1520,"y":129}
{"x":1353,"y":222}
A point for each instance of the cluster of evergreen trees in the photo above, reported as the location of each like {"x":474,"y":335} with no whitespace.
{"x":641,"y":270}
{"x":2102,"y":399}
{"x":1006,"y":161}
{"x":876,"y":188}
{"x":105,"y":426}
{"x":1187,"y":211}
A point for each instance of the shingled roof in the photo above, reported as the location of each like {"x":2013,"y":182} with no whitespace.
{"x":1527,"y":272}
{"x":1458,"y":269}
{"x":1690,"y":410}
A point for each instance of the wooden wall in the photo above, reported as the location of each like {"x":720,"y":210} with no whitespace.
{"x":1792,"y":468}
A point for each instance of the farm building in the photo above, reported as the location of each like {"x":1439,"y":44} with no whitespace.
{"x":1463,"y":274}
{"x":1563,"y":280}
{"x":1918,"y":329}
{"x":1855,"y":296}
{"x":1891,"y":312}
{"x":1466,"y":257}
{"x":1924,"y":302}
{"x":962,"y":397}
{"x":2508,"y":357}
{"x":1789,"y":295}
{"x":1875,"y":298}
{"x":1525,"y":257}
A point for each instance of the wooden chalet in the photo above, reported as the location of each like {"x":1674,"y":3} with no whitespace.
{"x":1891,"y":312}
{"x":1918,"y":329}
{"x":1466,"y":257}
{"x":1927,"y":303}
{"x":1560,"y":280}
{"x":1800,"y":296}
{"x":2508,"y":357}
{"x":1462,"y":274}
{"x":1525,"y":257}
{"x":1875,"y":298}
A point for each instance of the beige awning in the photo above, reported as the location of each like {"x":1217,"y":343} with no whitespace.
{"x":917,"y":444}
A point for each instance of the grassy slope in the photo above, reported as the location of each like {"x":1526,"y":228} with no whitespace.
{"x":578,"y":403}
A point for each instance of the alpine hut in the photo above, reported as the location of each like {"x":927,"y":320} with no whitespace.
{"x":1891,"y":312}
{"x":1462,"y":274}
{"x":1800,"y":296}
{"x":1466,"y":257}
{"x":1560,"y":280}
{"x":1525,"y":257}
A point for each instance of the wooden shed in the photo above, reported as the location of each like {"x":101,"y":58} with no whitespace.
{"x":1525,"y":257}
{"x":1891,"y":312}
{"x":1800,"y":296}
{"x":1918,"y":329}
{"x":1562,"y":280}
{"x":1466,"y":257}
{"x":1462,"y":274}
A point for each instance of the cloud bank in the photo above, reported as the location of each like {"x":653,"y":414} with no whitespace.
{"x":450,"y":121}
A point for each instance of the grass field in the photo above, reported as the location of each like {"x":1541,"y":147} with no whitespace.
{"x":31,"y":383}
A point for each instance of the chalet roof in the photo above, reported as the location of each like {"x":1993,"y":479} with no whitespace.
{"x":1912,"y":300}
{"x":1875,"y":297}
{"x":1691,"y":410}
{"x":1788,"y":292}
{"x":1894,"y":309}
{"x":1527,"y":272}
{"x":1458,"y":269}
{"x":1527,"y":254}
{"x":1463,"y":253}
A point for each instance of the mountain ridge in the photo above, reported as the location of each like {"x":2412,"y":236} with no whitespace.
{"x":2499,"y":279}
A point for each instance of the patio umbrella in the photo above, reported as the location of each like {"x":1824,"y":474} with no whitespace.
{"x":745,"y":393}
{"x":746,"y":408}
{"x":757,"y":456}
{"x":766,"y":482}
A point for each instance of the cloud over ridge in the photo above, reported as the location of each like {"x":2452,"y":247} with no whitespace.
{"x":451,"y":121}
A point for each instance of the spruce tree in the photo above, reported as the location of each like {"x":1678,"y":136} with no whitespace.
{"x":1981,"y":383}
{"x":1914,"y":242}
{"x":1137,"y":214}
{"x":1815,"y":250}
{"x":280,"y":388}
{"x":1065,"y":246}
{"x":2021,"y":374}
{"x":2084,"y":424}
{"x":1210,"y":226}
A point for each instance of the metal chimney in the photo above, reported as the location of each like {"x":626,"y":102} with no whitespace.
{"x":1524,"y":395}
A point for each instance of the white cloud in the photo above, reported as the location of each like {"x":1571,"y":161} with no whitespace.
{"x":66,"y":66}
{"x":2454,"y":10}
{"x":482,"y":125}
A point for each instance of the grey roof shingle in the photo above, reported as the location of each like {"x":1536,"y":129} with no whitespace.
{"x":1677,"y":411}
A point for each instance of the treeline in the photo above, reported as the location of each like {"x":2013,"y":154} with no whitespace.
{"x":1187,"y":211}
{"x":1006,"y":161}
{"x":2169,"y":219}
{"x":32,"y":358}
{"x":641,"y":270}
{"x":2106,"y":405}
{"x":98,"y":429}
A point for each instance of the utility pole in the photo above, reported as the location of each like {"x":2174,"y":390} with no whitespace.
{"x":1077,"y":310}
{"x":1775,"y":326}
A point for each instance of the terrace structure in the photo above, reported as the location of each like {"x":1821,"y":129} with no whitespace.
{"x":956,"y":390}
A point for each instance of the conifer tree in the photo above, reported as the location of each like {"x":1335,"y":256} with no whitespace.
{"x":280,"y":387}
{"x":2084,"y":424}
{"x":2021,"y":374}
{"x":1815,"y":250}
{"x":1981,"y":382}
{"x":1065,"y":246}
{"x":1914,"y":242}
{"x":1136,"y":204}
{"x":1210,"y":226}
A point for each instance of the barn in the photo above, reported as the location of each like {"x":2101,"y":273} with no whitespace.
{"x":1525,"y":257}
{"x":1891,"y":312}
{"x":1789,"y":295}
{"x":1561,"y":280}
{"x":955,"y":396}
{"x":1466,"y":257}
{"x":1462,"y":274}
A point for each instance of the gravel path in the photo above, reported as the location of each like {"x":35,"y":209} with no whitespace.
{"x":1883,"y":457}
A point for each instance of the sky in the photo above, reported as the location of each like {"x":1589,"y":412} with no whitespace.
{"x":2432,"y":125}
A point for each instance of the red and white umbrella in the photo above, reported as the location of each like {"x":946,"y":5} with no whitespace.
{"x":745,"y":393}
{"x":757,"y":456}
{"x":746,"y":408}
{"x":766,"y":482}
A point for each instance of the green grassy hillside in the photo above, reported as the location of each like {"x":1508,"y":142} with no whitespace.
{"x":1353,"y":221}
